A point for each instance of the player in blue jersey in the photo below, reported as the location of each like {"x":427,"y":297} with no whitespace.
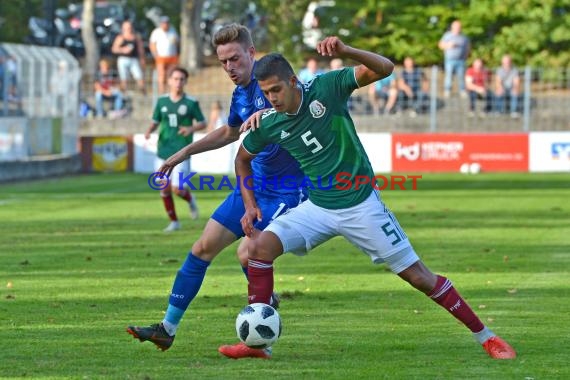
{"x":236,"y":53}
{"x":312,"y":122}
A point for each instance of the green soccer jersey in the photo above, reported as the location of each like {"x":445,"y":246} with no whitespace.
{"x":171,"y":116}
{"x":322,"y":137}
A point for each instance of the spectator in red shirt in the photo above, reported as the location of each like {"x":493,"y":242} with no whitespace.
{"x":477,"y":83}
{"x":107,"y":88}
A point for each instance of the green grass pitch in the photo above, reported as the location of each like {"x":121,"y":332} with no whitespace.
{"x":83,"y":257}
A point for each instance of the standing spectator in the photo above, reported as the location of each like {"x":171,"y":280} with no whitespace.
{"x":164,"y":48}
{"x":413,"y":85}
{"x":9,"y":78}
{"x":477,"y":83}
{"x":507,"y":86}
{"x":61,"y":86}
{"x":456,"y":48}
{"x":310,"y":71}
{"x":176,"y":116}
{"x":128,"y":46}
{"x":106,"y":88}
{"x":383,"y":91}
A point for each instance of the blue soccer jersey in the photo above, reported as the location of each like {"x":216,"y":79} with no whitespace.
{"x":273,"y":163}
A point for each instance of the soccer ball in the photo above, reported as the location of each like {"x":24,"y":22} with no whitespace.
{"x":258,"y":325}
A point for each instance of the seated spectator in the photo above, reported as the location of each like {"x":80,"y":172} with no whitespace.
{"x":106,"y":88}
{"x":383,"y":91}
{"x":477,"y":84}
{"x":310,"y":71}
{"x":129,"y":49}
{"x":507,"y":87}
{"x":413,"y":87}
{"x":336,"y":64}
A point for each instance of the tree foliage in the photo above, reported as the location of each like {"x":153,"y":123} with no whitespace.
{"x":534,"y":32}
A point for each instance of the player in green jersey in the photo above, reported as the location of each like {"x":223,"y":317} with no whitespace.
{"x":311,"y":121}
{"x":177,"y":116}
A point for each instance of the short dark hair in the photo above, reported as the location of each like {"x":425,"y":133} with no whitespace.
{"x":233,"y":33}
{"x":273,"y":64}
{"x":180,"y":70}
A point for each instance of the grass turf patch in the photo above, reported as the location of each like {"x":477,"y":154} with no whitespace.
{"x":83,"y":257}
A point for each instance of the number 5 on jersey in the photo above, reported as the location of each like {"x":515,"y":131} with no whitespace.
{"x":308,"y":142}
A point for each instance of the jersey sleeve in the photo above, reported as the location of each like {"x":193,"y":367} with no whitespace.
{"x":340,"y":82}
{"x":197,"y":112}
{"x":156,"y":116}
{"x":234,"y":119}
{"x":254,"y":142}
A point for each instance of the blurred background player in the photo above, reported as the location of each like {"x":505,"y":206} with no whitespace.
{"x":178,"y":116}
{"x":236,"y":53}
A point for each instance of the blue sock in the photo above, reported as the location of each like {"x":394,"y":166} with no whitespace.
{"x":186,"y":285}
{"x":244,"y":269}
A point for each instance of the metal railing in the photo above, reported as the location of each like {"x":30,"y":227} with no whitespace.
{"x":543,"y":104}
{"x":38,"y":81}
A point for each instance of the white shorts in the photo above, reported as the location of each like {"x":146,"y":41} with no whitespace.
{"x":129,"y":64}
{"x":183,"y":167}
{"x":370,"y":226}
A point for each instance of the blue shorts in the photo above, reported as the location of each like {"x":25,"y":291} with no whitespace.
{"x":230,"y":212}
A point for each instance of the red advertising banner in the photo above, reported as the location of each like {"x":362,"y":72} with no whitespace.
{"x":451,"y":152}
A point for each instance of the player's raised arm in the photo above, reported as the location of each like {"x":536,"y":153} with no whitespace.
{"x":216,"y":139}
{"x":244,"y":175}
{"x":372,"y":66}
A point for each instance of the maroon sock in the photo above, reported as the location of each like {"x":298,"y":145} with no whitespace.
{"x":260,"y":276}
{"x":186,"y":195}
{"x":445,"y":295}
{"x":169,"y":206}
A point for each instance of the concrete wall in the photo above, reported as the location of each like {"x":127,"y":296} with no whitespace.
{"x":40,"y":167}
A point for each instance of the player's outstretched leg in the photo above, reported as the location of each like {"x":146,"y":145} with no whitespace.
{"x":444,"y":294}
{"x":186,"y":285}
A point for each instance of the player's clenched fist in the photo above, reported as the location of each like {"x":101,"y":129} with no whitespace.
{"x":331,"y":46}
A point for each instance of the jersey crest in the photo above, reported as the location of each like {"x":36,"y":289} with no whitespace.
{"x":317,"y":109}
{"x":182,"y":109}
{"x":259,"y":102}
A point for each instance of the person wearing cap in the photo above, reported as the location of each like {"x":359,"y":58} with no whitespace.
{"x":164,"y":48}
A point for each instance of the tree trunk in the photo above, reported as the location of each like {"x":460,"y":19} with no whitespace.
{"x":191,"y":56}
{"x":89,"y":39}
